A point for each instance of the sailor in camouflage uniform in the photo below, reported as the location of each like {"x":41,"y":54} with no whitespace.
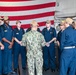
{"x":33,"y":40}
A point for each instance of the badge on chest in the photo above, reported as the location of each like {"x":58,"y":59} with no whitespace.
{"x":51,"y":32}
{"x":5,"y":30}
{"x":17,"y":33}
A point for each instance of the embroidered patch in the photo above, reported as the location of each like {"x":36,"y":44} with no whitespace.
{"x":17,"y":33}
{"x":5,"y":30}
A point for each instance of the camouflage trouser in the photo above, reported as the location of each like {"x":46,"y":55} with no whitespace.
{"x":35,"y":62}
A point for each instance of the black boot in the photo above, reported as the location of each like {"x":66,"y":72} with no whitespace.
{"x":4,"y":74}
{"x":15,"y":70}
{"x":52,"y":70}
{"x":45,"y":69}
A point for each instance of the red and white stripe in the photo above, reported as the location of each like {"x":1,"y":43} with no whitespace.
{"x":26,"y":11}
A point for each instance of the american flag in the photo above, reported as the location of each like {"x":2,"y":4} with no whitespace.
{"x":28,"y":10}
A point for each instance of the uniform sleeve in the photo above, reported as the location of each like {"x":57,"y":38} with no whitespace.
{"x":38,"y":30}
{"x":24,"y":40}
{"x":54,"y":32}
{"x":43,"y":43}
{"x":0,"y":38}
{"x":58,"y":36}
{"x":14,"y":33}
{"x":23,"y":31}
{"x":43,"y":32}
{"x":62,"y":40}
{"x":28,"y":29}
{"x":2,"y":32}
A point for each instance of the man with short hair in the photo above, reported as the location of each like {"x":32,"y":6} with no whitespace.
{"x":17,"y":48}
{"x":49,"y":34}
{"x":62,"y":28}
{"x":7,"y":40}
{"x":38,"y":29}
{"x":33,"y":40}
{"x":74,"y":27}
{"x":1,"y":49}
{"x":67,"y":46}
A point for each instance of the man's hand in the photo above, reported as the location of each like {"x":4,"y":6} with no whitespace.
{"x":20,"y":42}
{"x":2,"y":47}
{"x":58,"y":43}
{"x":10,"y":46}
{"x":47,"y":44}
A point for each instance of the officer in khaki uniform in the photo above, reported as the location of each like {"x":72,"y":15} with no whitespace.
{"x":33,"y":40}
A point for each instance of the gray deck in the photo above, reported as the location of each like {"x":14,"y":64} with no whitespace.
{"x":48,"y":72}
